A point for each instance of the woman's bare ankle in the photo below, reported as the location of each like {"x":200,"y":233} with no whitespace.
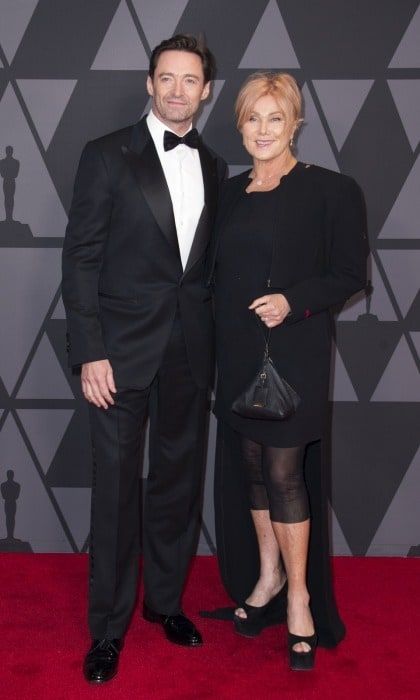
{"x":267,"y":586}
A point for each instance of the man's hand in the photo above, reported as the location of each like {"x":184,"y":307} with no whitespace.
{"x":271,"y":308}
{"x":98,"y":383}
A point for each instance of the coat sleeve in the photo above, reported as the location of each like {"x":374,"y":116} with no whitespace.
{"x":346,"y":253}
{"x":83,"y":250}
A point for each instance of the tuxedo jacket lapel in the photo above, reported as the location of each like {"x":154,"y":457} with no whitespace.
{"x":205,"y":222}
{"x":142,"y":157}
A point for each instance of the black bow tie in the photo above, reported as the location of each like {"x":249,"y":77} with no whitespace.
{"x":171,"y":140}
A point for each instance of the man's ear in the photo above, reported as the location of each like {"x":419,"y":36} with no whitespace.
{"x":149,"y":86}
{"x":206,"y":91}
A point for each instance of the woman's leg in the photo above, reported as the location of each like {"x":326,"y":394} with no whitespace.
{"x":272,"y":574}
{"x":289,"y":512}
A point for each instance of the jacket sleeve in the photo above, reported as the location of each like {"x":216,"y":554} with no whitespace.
{"x":83,"y":250}
{"x":346,"y":254}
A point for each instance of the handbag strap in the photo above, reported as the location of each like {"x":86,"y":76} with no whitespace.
{"x":265,"y":336}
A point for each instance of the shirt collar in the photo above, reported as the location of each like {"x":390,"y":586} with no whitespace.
{"x":157,"y":128}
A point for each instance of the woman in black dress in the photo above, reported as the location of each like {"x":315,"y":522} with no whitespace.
{"x":290,"y":243}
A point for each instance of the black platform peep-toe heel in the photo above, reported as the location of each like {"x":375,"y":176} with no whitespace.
{"x":301,"y":660}
{"x":258,"y":618}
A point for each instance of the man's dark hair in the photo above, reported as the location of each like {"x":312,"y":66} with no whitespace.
{"x":185,"y":42}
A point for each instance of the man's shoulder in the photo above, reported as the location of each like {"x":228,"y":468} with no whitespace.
{"x":331,"y":181}
{"x":221,"y":164}
{"x":236,"y":182}
{"x":214,"y":154}
{"x":120,"y":137}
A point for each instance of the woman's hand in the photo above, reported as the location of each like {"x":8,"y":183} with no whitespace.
{"x":271,"y":308}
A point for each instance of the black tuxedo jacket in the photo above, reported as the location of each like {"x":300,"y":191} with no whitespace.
{"x":122,"y":273}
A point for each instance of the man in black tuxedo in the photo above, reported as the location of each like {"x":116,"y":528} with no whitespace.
{"x":140,"y":326}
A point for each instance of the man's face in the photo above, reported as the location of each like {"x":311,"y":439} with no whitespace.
{"x":177,"y":88}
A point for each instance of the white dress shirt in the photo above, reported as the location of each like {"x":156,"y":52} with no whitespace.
{"x":182,"y":169}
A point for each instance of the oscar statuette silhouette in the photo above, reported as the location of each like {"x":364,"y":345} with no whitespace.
{"x":10,"y":491}
{"x":11,"y":230}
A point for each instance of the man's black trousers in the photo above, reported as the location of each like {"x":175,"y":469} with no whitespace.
{"x":177,"y":409}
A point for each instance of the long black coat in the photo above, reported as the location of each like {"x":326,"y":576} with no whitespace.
{"x":318,"y":260}
{"x":122,"y":272}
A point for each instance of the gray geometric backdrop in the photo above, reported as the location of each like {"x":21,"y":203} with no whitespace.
{"x":72,"y":70}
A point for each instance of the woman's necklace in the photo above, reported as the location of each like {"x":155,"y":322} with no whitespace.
{"x":266,"y":180}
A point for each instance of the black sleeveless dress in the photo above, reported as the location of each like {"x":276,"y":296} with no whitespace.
{"x":242,"y":274}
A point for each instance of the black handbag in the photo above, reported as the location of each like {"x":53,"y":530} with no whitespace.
{"x":269,"y":396}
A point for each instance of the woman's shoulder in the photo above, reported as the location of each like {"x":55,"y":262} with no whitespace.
{"x":236,"y":181}
{"x":330,"y":182}
{"x":230,"y":187}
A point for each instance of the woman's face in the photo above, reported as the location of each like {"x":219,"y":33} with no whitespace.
{"x":267,"y":131}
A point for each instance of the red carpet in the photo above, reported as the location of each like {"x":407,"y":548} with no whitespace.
{"x":44,"y":637}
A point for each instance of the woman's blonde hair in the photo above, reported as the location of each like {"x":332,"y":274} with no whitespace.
{"x":282,"y":86}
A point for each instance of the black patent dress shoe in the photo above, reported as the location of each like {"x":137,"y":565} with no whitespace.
{"x":178,"y":628}
{"x":101,"y":662}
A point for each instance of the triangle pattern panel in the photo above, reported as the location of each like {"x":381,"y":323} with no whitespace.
{"x":36,"y":202}
{"x":397,"y":384}
{"x":121,"y":48}
{"x":15,"y":17}
{"x":56,"y":332}
{"x":341,"y":387}
{"x":3,"y":394}
{"x":145,"y":452}
{"x":402,"y":269}
{"x":147,"y":108}
{"x":313,"y":145}
{"x":206,"y":546}
{"x":416,"y":340}
{"x":341,"y":101}
{"x":75,"y":506}
{"x":404,"y":217}
{"x":45,"y":429}
{"x":34,"y":274}
{"x":366,"y":346}
{"x":45,"y":378}
{"x":406,"y":94}
{"x":412,"y":320}
{"x":39,"y":527}
{"x":270,"y":46}
{"x":377,"y":303}
{"x":237,"y":169}
{"x":159,"y":18}
{"x":72,"y":463}
{"x":59,"y":313}
{"x":407,"y":54}
{"x":209,"y":104}
{"x":46,"y":101}
{"x":401,"y":523}
{"x":339,"y":545}
{"x":373,"y":445}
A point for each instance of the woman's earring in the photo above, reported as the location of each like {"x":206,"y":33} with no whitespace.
{"x":291,"y":142}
